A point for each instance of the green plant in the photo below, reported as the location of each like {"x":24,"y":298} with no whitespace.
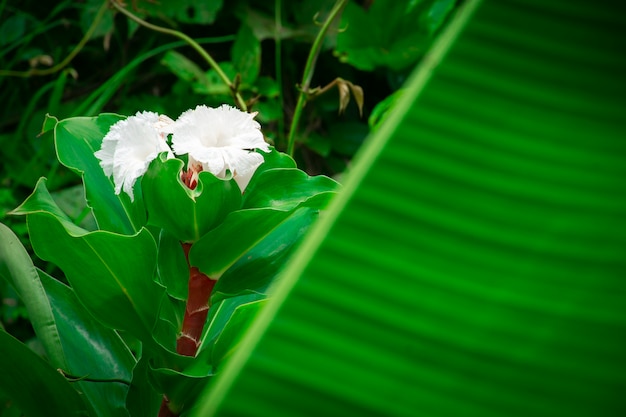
{"x":169,"y":263}
{"x":473,"y":264}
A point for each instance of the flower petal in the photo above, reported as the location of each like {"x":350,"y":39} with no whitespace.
{"x":130,"y":146}
{"x":220,"y":139}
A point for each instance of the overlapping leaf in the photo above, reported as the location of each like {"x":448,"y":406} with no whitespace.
{"x":111,"y":274}
{"x":73,"y":340}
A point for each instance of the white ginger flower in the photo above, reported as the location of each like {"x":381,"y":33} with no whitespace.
{"x":130,"y":145}
{"x":219,"y":140}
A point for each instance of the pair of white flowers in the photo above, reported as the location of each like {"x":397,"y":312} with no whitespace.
{"x":219,"y":140}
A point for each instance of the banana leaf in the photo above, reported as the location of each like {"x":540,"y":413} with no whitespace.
{"x":474,"y":263}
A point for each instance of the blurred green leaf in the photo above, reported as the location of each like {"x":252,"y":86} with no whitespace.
{"x":12,"y":29}
{"x":388,"y":34}
{"x":246,"y":55}
{"x":25,"y":374}
{"x":383,"y":109}
{"x":186,"y":214}
{"x":111,"y":274}
{"x":473,"y":264}
{"x":185,"y":11}
{"x":183,"y":67}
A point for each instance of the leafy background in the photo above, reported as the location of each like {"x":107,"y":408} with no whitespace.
{"x":496,"y":285}
{"x":55,"y":60}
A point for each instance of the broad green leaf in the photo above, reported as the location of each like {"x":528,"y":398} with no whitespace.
{"x":240,"y":232}
{"x":17,"y":269}
{"x":257,"y":269}
{"x":235,"y":328}
{"x":219,"y":314}
{"x":72,"y":339}
{"x":172,"y":266}
{"x":92,"y":350}
{"x":246,"y":55}
{"x":182,"y":387}
{"x":473,"y":264}
{"x":35,"y":386}
{"x":111,"y":274}
{"x":76,"y":140}
{"x":186,"y":214}
{"x":142,"y":400}
{"x":284,"y":188}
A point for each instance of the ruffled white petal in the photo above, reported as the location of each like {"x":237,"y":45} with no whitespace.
{"x":130,"y":146}
{"x":220,"y":139}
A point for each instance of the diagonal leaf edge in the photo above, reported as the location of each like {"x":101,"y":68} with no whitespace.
{"x":212,"y":399}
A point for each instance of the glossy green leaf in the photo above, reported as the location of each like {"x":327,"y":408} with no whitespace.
{"x":473,"y":264}
{"x":72,"y":339}
{"x":142,"y":400}
{"x":240,"y":321}
{"x":35,"y":386}
{"x":285,"y":188}
{"x":111,"y":274}
{"x":172,"y":266}
{"x":182,"y":387}
{"x":257,"y":269}
{"x":186,"y":214}
{"x":76,"y":140}
{"x":17,"y":269}
{"x":241,"y":231}
{"x":92,"y":351}
{"x":219,"y":315}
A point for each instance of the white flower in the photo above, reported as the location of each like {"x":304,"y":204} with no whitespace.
{"x":219,"y":140}
{"x":130,"y":146}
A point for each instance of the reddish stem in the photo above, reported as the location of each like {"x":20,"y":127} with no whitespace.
{"x":200,"y":288}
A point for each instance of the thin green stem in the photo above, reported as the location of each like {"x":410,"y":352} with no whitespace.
{"x":308,"y":72}
{"x":203,"y":53}
{"x":278,"y":5}
{"x":68,"y":59}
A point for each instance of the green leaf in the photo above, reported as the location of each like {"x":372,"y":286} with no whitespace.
{"x":237,"y":325}
{"x":473,"y":264}
{"x":183,"y":67}
{"x":257,"y":267}
{"x":143,"y":400}
{"x":172,"y":266}
{"x":397,"y":33}
{"x":186,"y":214}
{"x":72,"y":339}
{"x":111,"y":274}
{"x":240,"y":232}
{"x":284,"y":188}
{"x":246,"y":55}
{"x":92,"y":350}
{"x":76,"y":140}
{"x":25,"y":374}
{"x":17,"y":269}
